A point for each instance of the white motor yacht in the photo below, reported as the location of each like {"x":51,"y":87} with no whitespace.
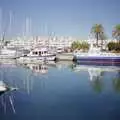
{"x":38,"y":55}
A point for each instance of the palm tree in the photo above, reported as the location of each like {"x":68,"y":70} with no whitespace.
{"x":116,"y":32}
{"x":98,"y":32}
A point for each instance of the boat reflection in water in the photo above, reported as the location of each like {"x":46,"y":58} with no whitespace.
{"x":116,"y":82}
{"x":33,"y":73}
{"x":96,"y":74}
{"x":30,"y":73}
{"x":6,"y":98}
{"x":8,"y":63}
{"x":94,"y":71}
{"x":38,"y":68}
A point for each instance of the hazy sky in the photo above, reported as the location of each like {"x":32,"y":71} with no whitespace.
{"x":63,"y":17}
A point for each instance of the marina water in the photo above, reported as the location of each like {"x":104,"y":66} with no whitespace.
{"x":60,"y":91}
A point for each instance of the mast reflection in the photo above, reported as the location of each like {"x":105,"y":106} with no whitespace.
{"x":6,"y":98}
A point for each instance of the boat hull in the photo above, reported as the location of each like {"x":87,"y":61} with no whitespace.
{"x":7,"y":57}
{"x":9,"y":54}
{"x":97,"y":60}
{"x":32,"y":59}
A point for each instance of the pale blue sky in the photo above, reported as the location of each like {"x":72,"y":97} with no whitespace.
{"x":63,"y":17}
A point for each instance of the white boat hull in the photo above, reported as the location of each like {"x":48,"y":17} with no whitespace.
{"x":7,"y":57}
{"x":35,"y":59}
{"x":10,"y":55}
{"x":2,"y":87}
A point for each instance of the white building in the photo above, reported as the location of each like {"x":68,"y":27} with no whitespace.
{"x":51,"y":41}
{"x":41,"y":41}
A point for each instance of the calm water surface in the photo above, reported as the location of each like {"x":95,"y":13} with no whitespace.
{"x":61,"y":91}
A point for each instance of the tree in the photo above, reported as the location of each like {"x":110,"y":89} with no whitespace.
{"x":84,"y":45}
{"x":114,"y":46}
{"x":116,"y":33}
{"x":98,"y":32}
{"x":103,"y":37}
{"x":74,"y":45}
{"x":80,"y":45}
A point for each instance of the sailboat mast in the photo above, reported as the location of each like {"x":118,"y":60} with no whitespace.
{"x":7,"y":28}
{"x":28,"y":26}
{"x":0,"y":23}
{"x":10,"y":22}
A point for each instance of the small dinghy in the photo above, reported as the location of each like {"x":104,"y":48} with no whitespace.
{"x":4,"y":88}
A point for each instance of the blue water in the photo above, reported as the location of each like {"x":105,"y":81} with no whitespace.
{"x":60,"y":91}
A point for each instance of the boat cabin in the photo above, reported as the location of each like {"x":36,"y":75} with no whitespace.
{"x":39,"y":52}
{"x":60,"y":50}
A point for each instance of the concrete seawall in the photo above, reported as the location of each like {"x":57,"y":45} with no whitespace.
{"x":65,"y":57}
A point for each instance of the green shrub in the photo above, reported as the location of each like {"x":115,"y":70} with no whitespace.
{"x":80,"y":45}
{"x":113,"y":46}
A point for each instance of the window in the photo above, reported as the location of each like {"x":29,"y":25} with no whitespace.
{"x":39,"y":52}
{"x":45,"y":52}
{"x":35,"y":53}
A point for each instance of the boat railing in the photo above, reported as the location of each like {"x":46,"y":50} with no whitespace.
{"x":108,"y":54}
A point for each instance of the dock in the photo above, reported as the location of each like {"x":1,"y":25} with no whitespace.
{"x":65,"y":57}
